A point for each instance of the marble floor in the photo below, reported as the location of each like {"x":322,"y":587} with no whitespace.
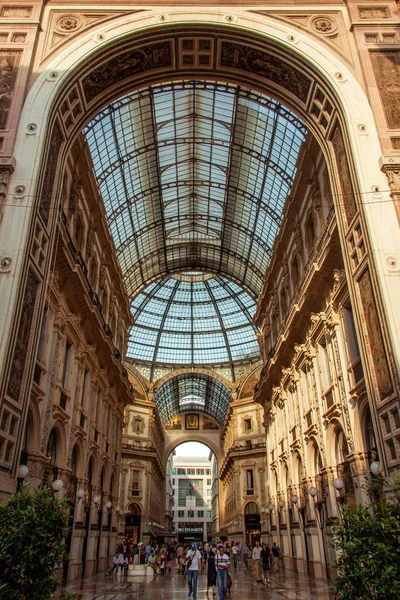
{"x":284,"y":585}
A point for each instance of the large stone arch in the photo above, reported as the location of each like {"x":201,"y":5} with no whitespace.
{"x":201,"y":437}
{"x":254,"y":50}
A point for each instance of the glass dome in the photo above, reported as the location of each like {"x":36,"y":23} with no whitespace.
{"x":194,"y":319}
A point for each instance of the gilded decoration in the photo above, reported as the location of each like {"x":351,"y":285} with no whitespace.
{"x":21,"y":345}
{"x":386,"y":65}
{"x":267,"y":65}
{"x":9,"y":61}
{"x":127,"y":64}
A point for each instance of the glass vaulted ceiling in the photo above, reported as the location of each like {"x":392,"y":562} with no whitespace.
{"x":191,"y":319}
{"x":194,"y":176}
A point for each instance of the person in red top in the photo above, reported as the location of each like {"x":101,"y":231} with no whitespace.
{"x":222,"y":564}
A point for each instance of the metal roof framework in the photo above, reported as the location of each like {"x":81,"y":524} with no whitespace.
{"x":194,"y":176}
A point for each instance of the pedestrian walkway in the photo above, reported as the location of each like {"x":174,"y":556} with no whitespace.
{"x":285,"y":585}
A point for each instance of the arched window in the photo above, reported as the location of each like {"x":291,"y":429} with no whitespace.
{"x":74,"y":462}
{"x":51,"y":452}
{"x":369,"y":434}
{"x":134,"y":509}
{"x":310,"y":231}
{"x":251,"y":509}
{"x":341,"y":447}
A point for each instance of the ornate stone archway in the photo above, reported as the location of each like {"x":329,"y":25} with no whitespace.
{"x":257,"y":50}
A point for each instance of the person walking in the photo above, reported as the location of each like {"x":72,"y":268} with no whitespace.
{"x":193,"y":558}
{"x":147,"y":550}
{"x":276,"y":554}
{"x":245,"y":552}
{"x":256,"y":557}
{"x":117,"y":560}
{"x":266,"y":562}
{"x":222,"y":564}
{"x":211,"y":572}
{"x":235,"y":555}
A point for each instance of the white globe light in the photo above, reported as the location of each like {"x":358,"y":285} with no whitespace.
{"x":295,"y":499}
{"x":313,"y":491}
{"x":117,"y":508}
{"x":22,"y":471}
{"x":267,"y":511}
{"x":96,"y":499}
{"x":375,"y":467}
{"x":108,"y":504}
{"x":338,"y":483}
{"x":57,"y":485}
{"x":270,"y":506}
{"x":281,"y":503}
{"x":80,"y":493}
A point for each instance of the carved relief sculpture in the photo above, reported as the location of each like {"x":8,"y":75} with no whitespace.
{"x":9,"y":61}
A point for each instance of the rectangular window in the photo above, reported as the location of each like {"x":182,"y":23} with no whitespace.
{"x":42,"y":338}
{"x":199,"y":471}
{"x":191,"y":514}
{"x":208,"y":481}
{"x":250,"y":481}
{"x":200,"y":513}
{"x":181,"y":471}
{"x":181,"y":513}
{"x":247,"y":424}
{"x":98,"y":407}
{"x":67,"y":355}
{"x":135,"y":483}
{"x":85,"y":385}
{"x":174,"y":471}
{"x":323,"y":357}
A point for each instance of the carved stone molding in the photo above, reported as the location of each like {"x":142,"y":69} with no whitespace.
{"x":7,"y":166}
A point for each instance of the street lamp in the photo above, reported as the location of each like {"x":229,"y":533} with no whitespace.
{"x":57,"y":485}
{"x":80,"y":494}
{"x":320,"y":513}
{"x":375,"y":467}
{"x":338,"y":484}
{"x":301,"y":509}
{"x":21,"y":474}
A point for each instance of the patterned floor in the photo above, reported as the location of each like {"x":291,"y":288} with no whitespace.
{"x":285,"y":585}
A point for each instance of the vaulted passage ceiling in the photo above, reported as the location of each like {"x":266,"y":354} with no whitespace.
{"x":194,"y":176}
{"x":192,"y":392}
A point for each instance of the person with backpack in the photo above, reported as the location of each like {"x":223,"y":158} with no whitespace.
{"x":276,"y":554}
{"x":193,"y":558}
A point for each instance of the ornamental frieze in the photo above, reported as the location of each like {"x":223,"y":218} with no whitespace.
{"x":386,"y":65}
{"x":267,"y":65}
{"x":128,"y":64}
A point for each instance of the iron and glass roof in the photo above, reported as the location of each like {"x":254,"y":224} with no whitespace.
{"x":194,"y":176}
{"x":193,"y":319}
{"x":192,"y":392}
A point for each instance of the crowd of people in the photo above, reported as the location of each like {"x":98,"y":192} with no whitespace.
{"x":187,"y":560}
